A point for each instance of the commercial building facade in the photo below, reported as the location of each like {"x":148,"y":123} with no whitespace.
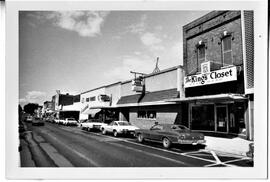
{"x":218,"y":82}
{"x":149,"y":106}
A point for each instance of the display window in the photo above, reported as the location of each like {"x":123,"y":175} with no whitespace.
{"x":202,"y":117}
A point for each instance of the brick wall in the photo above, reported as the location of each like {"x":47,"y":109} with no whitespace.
{"x":210,"y":32}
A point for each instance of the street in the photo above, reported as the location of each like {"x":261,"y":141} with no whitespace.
{"x":55,"y":145}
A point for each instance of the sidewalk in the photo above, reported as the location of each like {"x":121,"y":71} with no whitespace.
{"x":236,"y":146}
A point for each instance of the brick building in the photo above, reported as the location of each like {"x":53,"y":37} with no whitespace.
{"x":218,"y":62}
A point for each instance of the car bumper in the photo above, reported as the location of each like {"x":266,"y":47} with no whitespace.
{"x":127,"y":132}
{"x":192,"y":142}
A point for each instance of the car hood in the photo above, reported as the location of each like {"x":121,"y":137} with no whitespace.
{"x":129,"y":127}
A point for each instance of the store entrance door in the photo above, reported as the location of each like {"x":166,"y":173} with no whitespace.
{"x":222,"y":118}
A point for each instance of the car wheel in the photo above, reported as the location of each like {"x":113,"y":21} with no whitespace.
{"x":140,"y":138}
{"x":115,"y":134}
{"x":166,"y":143}
{"x":104,"y":132}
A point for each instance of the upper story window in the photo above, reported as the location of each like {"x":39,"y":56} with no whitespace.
{"x":87,"y":99}
{"x":200,"y":56}
{"x":92,"y":98}
{"x":227,"y":50}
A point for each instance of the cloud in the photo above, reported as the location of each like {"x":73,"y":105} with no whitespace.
{"x":34,"y":97}
{"x":85,"y":23}
{"x":136,"y":62}
{"x":139,"y":27}
{"x":173,"y":55}
{"x":152,"y":41}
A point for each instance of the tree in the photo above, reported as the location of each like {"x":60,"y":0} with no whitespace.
{"x":30,"y":108}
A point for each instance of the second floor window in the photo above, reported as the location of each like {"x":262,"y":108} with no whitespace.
{"x":200,"y":56}
{"x":227,"y":51}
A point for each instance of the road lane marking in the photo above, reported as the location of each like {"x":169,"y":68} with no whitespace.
{"x":236,"y":160}
{"x":76,"y":152}
{"x":187,"y":154}
{"x":216,"y":157}
{"x":151,"y":154}
{"x":164,"y":150}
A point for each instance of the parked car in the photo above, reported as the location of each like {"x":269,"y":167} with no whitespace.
{"x":29,"y":119}
{"x":90,"y":125}
{"x":69,"y":122}
{"x":170,"y":134}
{"x":38,"y":122}
{"x":119,"y":127}
{"x":56,"y":120}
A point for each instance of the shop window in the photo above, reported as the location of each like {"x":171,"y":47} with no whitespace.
{"x":146,"y":114}
{"x":236,"y":119}
{"x":202,"y":118}
{"x":200,"y":56}
{"x":227,"y":50}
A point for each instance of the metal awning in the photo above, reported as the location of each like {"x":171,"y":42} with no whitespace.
{"x":146,"y":104}
{"x":103,"y":107}
{"x":225,"y":97}
{"x":91,"y":112}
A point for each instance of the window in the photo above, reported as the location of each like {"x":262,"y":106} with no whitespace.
{"x":203,"y":117}
{"x":82,"y":100}
{"x":157,"y":127}
{"x":92,"y":98}
{"x":227,"y":50}
{"x":146,"y":114}
{"x":200,"y":56}
{"x":141,"y":114}
{"x":87,"y":99}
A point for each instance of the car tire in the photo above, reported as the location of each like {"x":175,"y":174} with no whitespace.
{"x":115,"y":134}
{"x":166,"y":143}
{"x":104,"y":132}
{"x":140,"y":138}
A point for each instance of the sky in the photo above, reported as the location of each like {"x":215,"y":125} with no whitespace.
{"x":75,"y":51}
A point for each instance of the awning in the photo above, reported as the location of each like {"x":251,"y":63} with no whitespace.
{"x":146,"y":104}
{"x":149,"y":98}
{"x":103,"y":107}
{"x":91,"y":112}
{"x":218,"y":97}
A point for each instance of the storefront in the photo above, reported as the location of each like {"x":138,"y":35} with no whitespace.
{"x":143,"y":100}
{"x":218,"y":71}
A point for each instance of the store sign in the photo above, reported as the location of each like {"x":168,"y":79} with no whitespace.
{"x":137,"y":84}
{"x":205,"y":67}
{"x":218,"y":76}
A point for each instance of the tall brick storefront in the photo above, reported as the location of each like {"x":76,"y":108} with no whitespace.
{"x":217,"y":98}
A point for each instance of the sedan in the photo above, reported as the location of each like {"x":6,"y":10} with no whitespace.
{"x":119,"y":127}
{"x":38,"y":122}
{"x":69,"y":122}
{"x":90,"y":125}
{"x":169,"y":134}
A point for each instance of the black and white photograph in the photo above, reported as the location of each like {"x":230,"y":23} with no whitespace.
{"x":115,"y":88}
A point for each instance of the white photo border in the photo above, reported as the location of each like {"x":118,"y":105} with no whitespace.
{"x":259,"y":171}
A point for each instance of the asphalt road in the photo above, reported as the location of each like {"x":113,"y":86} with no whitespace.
{"x":62,"y":146}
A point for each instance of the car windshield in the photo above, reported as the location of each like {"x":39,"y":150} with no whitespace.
{"x":122,"y":123}
{"x":179,"y":127}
